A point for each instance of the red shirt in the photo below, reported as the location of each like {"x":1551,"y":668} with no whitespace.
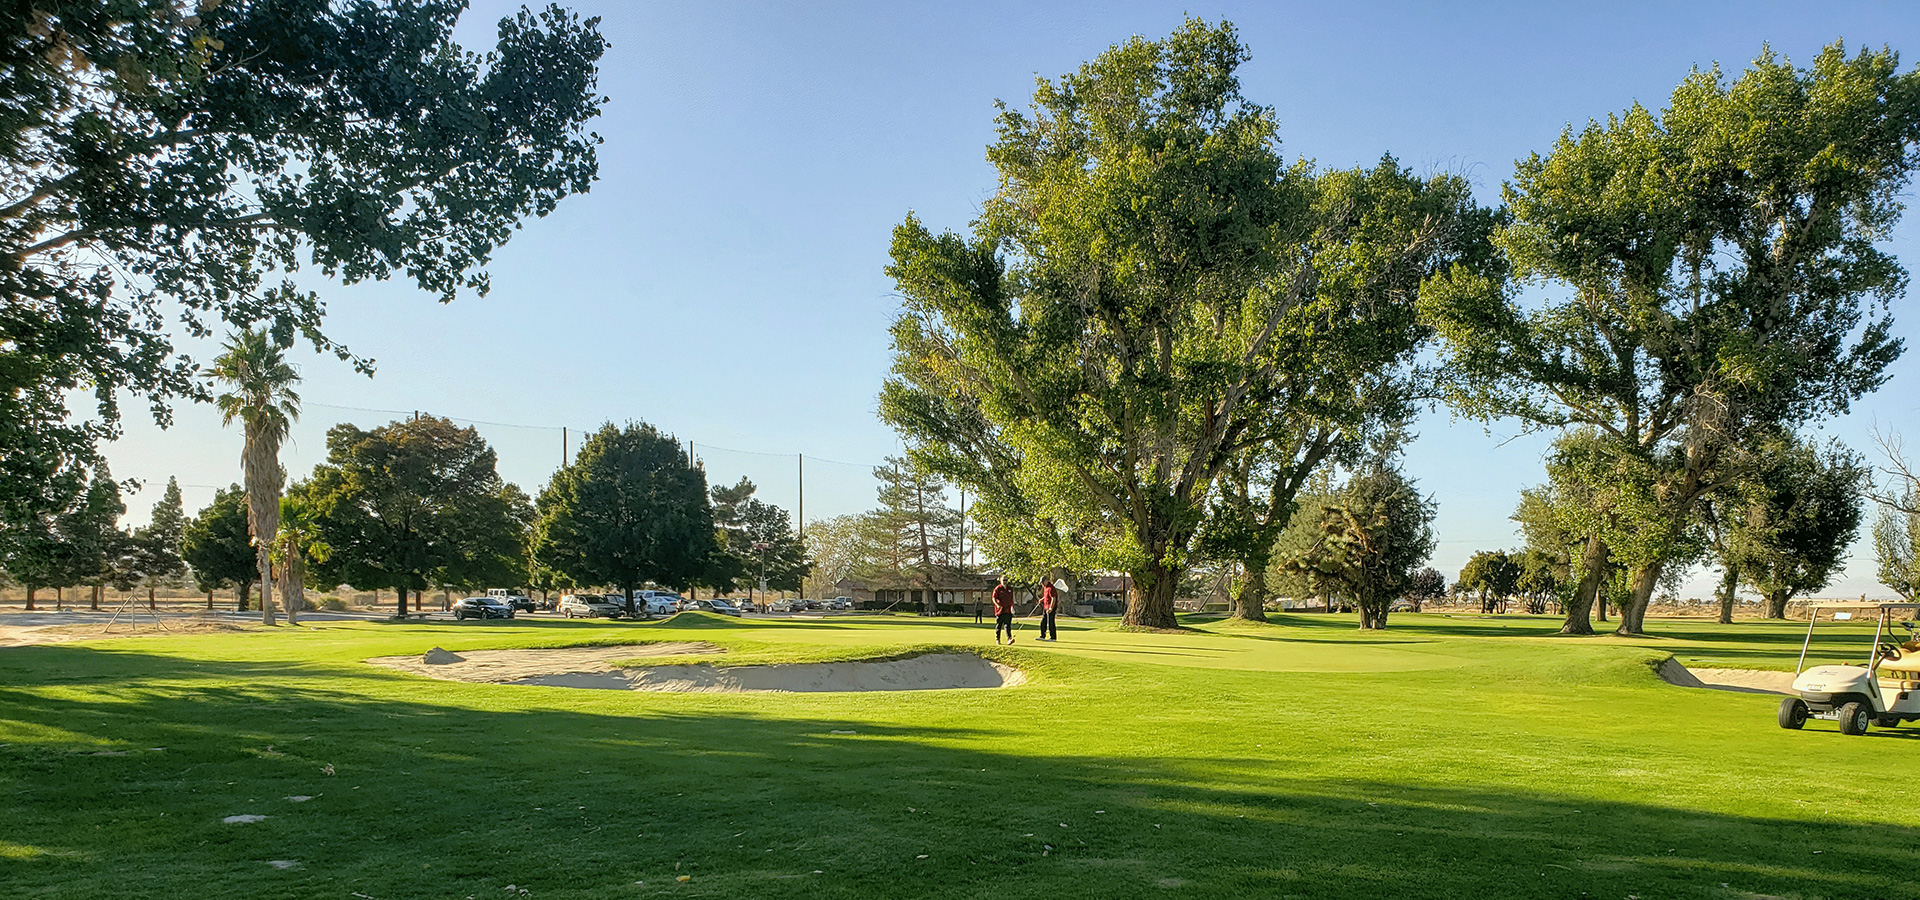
{"x":1002,"y":599}
{"x":1046,"y":596}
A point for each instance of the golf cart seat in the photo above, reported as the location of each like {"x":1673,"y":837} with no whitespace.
{"x":1902,"y":672}
{"x":1907,"y":660}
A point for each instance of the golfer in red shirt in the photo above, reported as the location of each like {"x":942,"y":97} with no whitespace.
{"x":1049,"y":608}
{"x":1002,"y":610}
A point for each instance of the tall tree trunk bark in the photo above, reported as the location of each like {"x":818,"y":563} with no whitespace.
{"x":1633,"y":615}
{"x":150,"y":600}
{"x":401,"y":594}
{"x":94,"y":602}
{"x":30,"y":590}
{"x":1729,"y":586}
{"x":265,"y":562}
{"x":242,"y":592}
{"x":1777,"y":604}
{"x":1250,"y":605}
{"x":209,"y":599}
{"x":1593,"y":568}
{"x":1150,"y":598}
{"x":292,"y":584}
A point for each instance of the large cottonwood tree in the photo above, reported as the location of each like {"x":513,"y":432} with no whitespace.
{"x":1149,"y":288}
{"x":1711,"y":270}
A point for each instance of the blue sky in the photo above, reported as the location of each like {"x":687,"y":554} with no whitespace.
{"x":723,"y":280}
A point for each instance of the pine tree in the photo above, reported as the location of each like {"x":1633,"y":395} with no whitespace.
{"x":917,"y":533}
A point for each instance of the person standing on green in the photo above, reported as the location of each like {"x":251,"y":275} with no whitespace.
{"x":1002,"y":610}
{"x":1049,"y":609}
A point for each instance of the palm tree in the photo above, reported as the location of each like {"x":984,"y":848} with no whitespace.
{"x":261,"y":396}
{"x":299,"y":541}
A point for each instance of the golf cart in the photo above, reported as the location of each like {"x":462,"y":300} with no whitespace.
{"x":1884,"y":692}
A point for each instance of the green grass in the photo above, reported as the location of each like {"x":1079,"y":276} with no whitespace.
{"x":1447,"y":757}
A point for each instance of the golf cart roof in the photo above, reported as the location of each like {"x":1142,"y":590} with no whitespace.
{"x":1855,"y":604}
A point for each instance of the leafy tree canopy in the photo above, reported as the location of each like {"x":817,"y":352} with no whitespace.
{"x":630,"y":509}
{"x":412,"y":505}
{"x":1150,"y":293}
{"x":1716,"y":273}
{"x":160,"y":157}
{"x":217,"y":545}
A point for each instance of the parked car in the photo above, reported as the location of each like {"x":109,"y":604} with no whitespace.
{"x":481,"y":608}
{"x":640,"y":607}
{"x":589,"y":606}
{"x":521,"y":603}
{"x":720,"y":607}
{"x":785,"y":606}
{"x":840,"y":603}
{"x":659,"y":604}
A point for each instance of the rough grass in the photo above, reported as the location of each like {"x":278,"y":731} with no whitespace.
{"x":1446,"y":757}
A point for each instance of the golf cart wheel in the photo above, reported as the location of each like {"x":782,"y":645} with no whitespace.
{"x":1853,"y":718}
{"x":1793,"y":713}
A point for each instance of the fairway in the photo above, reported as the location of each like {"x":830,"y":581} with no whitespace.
{"x":1444,"y":757}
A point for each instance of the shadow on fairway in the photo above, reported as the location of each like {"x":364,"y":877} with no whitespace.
{"x":456,"y":790}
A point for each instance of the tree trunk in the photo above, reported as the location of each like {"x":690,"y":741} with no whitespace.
{"x":292,"y":582}
{"x":1250,"y":605}
{"x":241,"y":593}
{"x":1150,"y":597}
{"x":1777,"y":604}
{"x":1373,"y":617}
{"x":94,"y":602}
{"x":263,"y":560}
{"x":1633,"y":615}
{"x":30,"y":591}
{"x":401,"y":594}
{"x":1593,"y":568}
{"x":1729,"y":586}
{"x":209,"y":599}
{"x":150,"y":601}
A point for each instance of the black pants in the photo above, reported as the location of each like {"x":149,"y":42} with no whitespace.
{"x":1003,"y":620}
{"x":1049,"y":629}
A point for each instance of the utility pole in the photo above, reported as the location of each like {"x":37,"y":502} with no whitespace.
{"x":563,"y":446}
{"x":800,"y":522}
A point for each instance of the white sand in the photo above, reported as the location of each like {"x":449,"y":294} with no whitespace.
{"x":1745,"y":681}
{"x":932,"y":672}
{"x":592,"y":668}
{"x":517,"y":666}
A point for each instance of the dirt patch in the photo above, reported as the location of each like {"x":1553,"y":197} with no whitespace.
{"x":1744,"y":681}
{"x":929,"y":672}
{"x":582,"y":666}
{"x":96,"y":628}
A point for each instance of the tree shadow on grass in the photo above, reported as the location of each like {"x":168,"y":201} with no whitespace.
{"x":455,"y":790}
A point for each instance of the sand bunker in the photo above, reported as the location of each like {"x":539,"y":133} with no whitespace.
{"x":1745,"y":681}
{"x":931,"y":672}
{"x":592,"y":667}
{"x":579,"y":666}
